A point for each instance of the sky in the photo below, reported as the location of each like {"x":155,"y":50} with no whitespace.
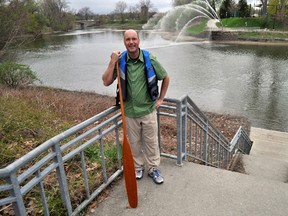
{"x":108,"y":6}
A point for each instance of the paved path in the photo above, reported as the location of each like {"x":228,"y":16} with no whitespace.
{"x":200,"y":190}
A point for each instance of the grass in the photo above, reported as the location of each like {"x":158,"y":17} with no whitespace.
{"x":261,"y":22}
{"x":198,"y":28}
{"x":28,"y":117}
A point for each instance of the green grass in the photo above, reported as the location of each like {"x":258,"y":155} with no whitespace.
{"x":199,"y":28}
{"x":261,"y":22}
{"x":263,"y":35}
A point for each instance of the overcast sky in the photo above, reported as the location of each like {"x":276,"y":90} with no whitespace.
{"x":108,"y":6}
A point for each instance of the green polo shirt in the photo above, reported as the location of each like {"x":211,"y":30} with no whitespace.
{"x":138,"y":102}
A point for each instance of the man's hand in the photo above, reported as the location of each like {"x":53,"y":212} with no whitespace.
{"x":115,"y":56}
{"x":108,"y":76}
{"x":158,"y":103}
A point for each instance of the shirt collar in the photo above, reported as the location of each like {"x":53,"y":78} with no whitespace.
{"x":141,"y":57}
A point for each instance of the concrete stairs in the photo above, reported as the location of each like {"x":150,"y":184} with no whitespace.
{"x":269,"y":155}
{"x":200,"y":190}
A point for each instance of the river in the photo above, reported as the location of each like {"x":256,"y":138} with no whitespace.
{"x":249,"y":80}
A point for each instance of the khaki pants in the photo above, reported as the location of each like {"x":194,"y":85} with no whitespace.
{"x":146,"y":154}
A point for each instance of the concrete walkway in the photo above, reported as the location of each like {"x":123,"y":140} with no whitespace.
{"x":200,"y":190}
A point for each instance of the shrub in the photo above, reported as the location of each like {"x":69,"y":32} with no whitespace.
{"x":14,"y":75}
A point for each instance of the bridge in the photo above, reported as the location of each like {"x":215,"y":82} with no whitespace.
{"x":83,"y":24}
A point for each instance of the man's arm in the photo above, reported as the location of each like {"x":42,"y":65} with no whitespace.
{"x":164,"y":87}
{"x":108,"y":76}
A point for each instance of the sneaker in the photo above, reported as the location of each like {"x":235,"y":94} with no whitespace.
{"x":139,"y":173}
{"x":155,"y":174}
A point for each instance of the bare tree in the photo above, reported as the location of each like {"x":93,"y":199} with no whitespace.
{"x":120,"y":8}
{"x":55,"y":10}
{"x":85,"y":13}
{"x":145,"y":6}
{"x":133,"y":12}
{"x":283,"y":5}
{"x":15,"y":18}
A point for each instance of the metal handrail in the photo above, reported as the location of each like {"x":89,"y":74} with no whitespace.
{"x":197,"y":139}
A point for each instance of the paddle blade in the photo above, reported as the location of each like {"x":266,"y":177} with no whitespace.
{"x":129,"y":174}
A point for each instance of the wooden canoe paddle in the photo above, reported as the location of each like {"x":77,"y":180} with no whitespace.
{"x":128,"y":161}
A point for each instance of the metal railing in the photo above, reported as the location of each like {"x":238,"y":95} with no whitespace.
{"x":196,"y":138}
{"x":52,"y":156}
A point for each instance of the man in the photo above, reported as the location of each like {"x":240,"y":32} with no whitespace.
{"x":140,"y":101}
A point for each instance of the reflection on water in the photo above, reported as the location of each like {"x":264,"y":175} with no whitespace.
{"x":250,"y":80}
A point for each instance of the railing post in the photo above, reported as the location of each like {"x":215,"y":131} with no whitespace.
{"x":184,"y":127}
{"x":159,"y":131}
{"x":181,"y":115}
{"x":179,"y":132}
{"x":18,"y":206}
{"x":206,"y":142}
{"x":62,"y":178}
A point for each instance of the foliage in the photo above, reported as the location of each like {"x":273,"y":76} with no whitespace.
{"x":15,"y":75}
{"x":225,"y":9}
{"x":121,"y":6}
{"x":261,"y":22}
{"x":30,"y":17}
{"x":243,"y":8}
{"x":85,"y":13}
{"x":180,"y":2}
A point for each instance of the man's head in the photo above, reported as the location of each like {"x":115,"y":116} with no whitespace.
{"x":131,"y":42}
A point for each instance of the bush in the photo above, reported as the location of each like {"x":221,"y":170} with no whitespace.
{"x":14,"y":75}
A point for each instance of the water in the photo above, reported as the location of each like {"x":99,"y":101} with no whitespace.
{"x":249,"y":80}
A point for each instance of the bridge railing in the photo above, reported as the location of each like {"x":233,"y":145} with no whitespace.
{"x":86,"y":148}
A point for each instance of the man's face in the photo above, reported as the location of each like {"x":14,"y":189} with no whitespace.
{"x":131,"y":41}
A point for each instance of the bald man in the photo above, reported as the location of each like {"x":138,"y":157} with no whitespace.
{"x":140,"y":72}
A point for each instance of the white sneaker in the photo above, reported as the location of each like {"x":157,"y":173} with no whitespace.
{"x":139,"y":173}
{"x":154,"y":173}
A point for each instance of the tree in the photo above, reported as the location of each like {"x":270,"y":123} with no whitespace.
{"x":15,"y":75}
{"x":225,"y":9}
{"x":120,"y":8}
{"x":15,"y":25}
{"x":283,"y":5}
{"x":133,"y":13}
{"x":145,"y":6}
{"x":58,"y":14}
{"x":264,"y":6}
{"x":277,"y":8}
{"x":243,"y":8}
{"x":85,"y":13}
{"x":176,"y":3}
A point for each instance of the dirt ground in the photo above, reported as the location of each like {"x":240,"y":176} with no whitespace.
{"x":79,"y":106}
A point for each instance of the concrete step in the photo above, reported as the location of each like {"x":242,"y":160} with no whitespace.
{"x":269,"y":143}
{"x":200,"y":190}
{"x":269,"y":155}
{"x":266,"y":167}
